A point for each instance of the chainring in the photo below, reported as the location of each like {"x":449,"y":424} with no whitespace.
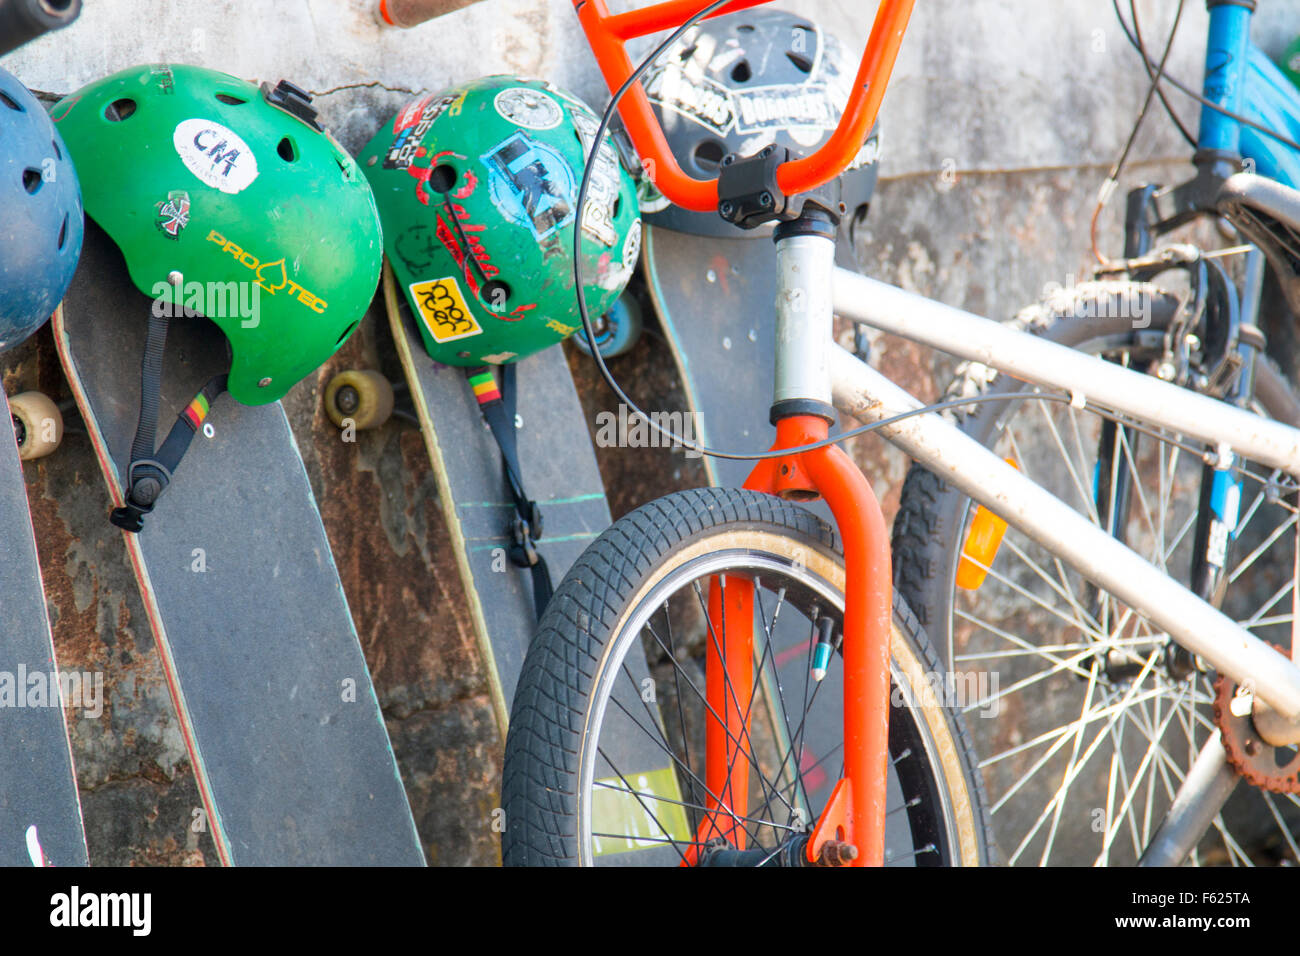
{"x":1262,"y":765}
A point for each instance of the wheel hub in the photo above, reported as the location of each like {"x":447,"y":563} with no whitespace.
{"x":347,"y":399}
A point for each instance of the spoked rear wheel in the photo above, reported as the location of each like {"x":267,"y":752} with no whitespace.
{"x":627,"y":700}
{"x":1095,"y":715}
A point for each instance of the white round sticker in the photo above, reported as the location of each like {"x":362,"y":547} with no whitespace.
{"x":215,"y":154}
{"x":531,"y":109}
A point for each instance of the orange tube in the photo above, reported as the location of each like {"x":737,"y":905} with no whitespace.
{"x":860,"y":817}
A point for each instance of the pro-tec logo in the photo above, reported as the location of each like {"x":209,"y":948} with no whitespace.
{"x":215,"y":154}
{"x":531,"y":184}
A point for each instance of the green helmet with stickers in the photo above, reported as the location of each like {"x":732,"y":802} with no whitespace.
{"x":204,"y":180}
{"x":477,"y":188}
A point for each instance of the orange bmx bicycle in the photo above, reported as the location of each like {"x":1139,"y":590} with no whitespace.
{"x":723,"y":680}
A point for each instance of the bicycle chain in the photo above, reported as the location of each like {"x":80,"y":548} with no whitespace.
{"x":1248,"y":753}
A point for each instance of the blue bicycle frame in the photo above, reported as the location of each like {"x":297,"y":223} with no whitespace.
{"x":1240,"y":78}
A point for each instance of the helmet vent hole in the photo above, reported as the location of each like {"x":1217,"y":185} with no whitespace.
{"x":496,"y":295}
{"x":63,"y":233}
{"x":688,"y":52}
{"x":801,"y":62}
{"x":286,"y":150}
{"x":443,"y":178}
{"x":346,"y":332}
{"x":618,"y":205}
{"x":745,"y":28}
{"x":741,"y":72}
{"x":230,"y":100}
{"x":31,"y":180}
{"x":119,"y":110}
{"x":58,"y":153}
{"x":8,"y":101}
{"x":708,"y":155}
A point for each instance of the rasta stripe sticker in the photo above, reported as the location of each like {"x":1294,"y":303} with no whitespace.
{"x":485,"y":387}
{"x":196,"y":411}
{"x":443,"y":309}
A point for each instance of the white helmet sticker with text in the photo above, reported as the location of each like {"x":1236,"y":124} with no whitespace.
{"x":215,"y":154}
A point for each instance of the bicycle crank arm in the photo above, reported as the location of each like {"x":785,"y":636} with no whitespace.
{"x":865,"y":393}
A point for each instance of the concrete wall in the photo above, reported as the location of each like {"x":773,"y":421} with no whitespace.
{"x":1000,"y":123}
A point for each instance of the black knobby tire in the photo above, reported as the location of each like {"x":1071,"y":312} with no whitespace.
{"x":591,"y":615}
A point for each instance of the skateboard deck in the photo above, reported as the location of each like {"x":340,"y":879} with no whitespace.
{"x":40,"y":813}
{"x":559,"y":472}
{"x":289,"y":747}
{"x":716,"y":303}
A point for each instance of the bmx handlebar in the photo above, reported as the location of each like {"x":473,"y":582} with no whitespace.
{"x":608,"y":34}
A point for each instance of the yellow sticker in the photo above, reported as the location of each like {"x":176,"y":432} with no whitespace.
{"x":443,"y":310}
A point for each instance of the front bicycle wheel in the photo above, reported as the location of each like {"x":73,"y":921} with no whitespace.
{"x":617,"y":722}
{"x":1095,"y":714}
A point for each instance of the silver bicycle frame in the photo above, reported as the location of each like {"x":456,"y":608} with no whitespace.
{"x":864,"y":393}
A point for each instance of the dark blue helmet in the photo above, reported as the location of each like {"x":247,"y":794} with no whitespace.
{"x":41,"y":221}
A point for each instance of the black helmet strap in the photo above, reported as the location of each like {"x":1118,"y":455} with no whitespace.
{"x":150,"y":471}
{"x":498,"y":408}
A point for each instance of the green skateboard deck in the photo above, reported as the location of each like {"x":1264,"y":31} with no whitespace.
{"x":272,"y":692}
{"x":559,"y":471}
{"x":40,"y":813}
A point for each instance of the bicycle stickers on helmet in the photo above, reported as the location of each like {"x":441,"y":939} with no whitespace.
{"x":531,"y":184}
{"x":529,"y":108}
{"x":443,"y":309}
{"x":174,"y":213}
{"x":739,"y":83}
{"x":477,"y":188}
{"x":215,"y":154}
{"x":205,"y":176}
{"x":409,"y":127}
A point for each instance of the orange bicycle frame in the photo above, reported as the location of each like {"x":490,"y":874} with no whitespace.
{"x":855,"y":812}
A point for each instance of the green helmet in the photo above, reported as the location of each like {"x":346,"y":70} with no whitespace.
{"x":476,"y":188}
{"x":204,"y":180}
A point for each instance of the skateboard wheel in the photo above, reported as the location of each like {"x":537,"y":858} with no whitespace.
{"x":617,"y":330}
{"x":38,"y":424}
{"x":363,"y":396}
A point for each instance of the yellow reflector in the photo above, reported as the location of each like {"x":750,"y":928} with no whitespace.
{"x":981,"y":545}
